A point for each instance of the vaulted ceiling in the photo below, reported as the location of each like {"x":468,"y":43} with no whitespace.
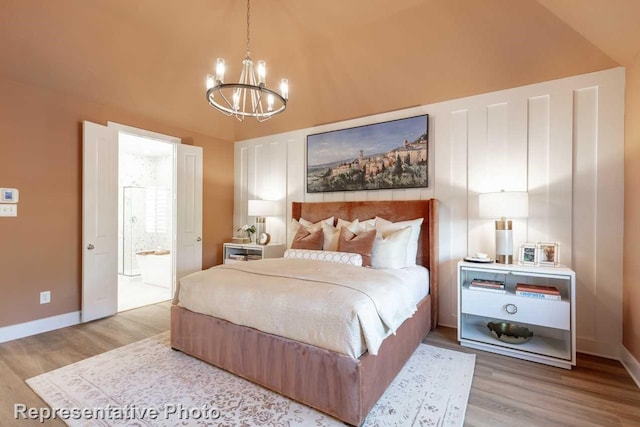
{"x":343,"y":58}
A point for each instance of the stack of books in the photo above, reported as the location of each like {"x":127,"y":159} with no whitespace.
{"x":238,"y":257}
{"x":538,"y":291}
{"x":487,"y":285}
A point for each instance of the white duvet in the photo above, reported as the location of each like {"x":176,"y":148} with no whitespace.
{"x":339,"y":307}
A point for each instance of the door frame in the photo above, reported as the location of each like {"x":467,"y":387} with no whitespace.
{"x":143,"y":133}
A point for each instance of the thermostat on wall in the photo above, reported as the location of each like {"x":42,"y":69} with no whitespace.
{"x":8,"y":195}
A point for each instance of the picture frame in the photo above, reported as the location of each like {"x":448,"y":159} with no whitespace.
{"x":528,"y":254}
{"x":548,"y":253}
{"x":386,"y":155}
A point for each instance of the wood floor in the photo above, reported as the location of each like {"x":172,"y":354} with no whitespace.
{"x":513,"y":392}
{"x":31,"y":356}
{"x":505,"y":391}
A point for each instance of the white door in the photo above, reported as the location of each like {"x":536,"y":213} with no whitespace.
{"x":189,"y":210}
{"x":99,"y":222}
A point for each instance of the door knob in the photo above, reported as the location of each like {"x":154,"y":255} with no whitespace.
{"x":198,"y":239}
{"x":90,"y":246}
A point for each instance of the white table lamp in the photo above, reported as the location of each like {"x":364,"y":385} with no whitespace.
{"x":262,"y":209}
{"x":503,"y":205}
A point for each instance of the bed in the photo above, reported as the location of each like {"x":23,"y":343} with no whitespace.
{"x":337,"y":384}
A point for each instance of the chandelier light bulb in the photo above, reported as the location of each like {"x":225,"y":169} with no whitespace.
{"x":210,"y":81}
{"x":220,"y":68}
{"x":284,"y":88}
{"x":270,"y":102}
{"x":262,"y":72}
{"x":236,"y":100}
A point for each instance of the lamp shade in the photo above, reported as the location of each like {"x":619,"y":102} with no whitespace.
{"x":504,"y":204}
{"x":263,"y":208}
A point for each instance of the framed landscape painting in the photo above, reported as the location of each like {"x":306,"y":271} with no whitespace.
{"x":385,"y":155}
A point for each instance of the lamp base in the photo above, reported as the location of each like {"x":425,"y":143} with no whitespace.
{"x":504,"y":242}
{"x":504,"y":259}
{"x":260,"y":225}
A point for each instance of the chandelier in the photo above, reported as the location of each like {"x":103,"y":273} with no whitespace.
{"x":250,"y":97}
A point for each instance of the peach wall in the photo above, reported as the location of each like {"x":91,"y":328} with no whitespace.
{"x":41,"y":153}
{"x":436,"y":51}
{"x":631,"y":289}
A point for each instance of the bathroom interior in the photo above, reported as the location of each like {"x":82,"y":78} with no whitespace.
{"x":145,"y":221}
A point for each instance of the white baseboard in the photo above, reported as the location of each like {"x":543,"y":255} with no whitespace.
{"x":21,"y":330}
{"x":631,"y":364}
{"x":598,"y":348}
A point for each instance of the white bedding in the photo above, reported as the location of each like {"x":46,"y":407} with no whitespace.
{"x":339,"y":307}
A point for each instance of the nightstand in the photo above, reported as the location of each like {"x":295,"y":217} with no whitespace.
{"x":239,"y":252}
{"x":551,"y":321}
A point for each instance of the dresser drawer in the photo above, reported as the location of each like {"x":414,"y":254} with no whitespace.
{"x":549,"y":313}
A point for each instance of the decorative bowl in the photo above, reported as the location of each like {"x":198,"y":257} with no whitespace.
{"x":509,"y":332}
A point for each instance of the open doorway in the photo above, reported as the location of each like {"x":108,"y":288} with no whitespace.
{"x":100,"y":215}
{"x":146,"y":221}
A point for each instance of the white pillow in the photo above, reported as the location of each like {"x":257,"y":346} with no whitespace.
{"x":331,"y":234}
{"x":364,"y":225}
{"x":328,"y":256}
{"x":311,"y":227}
{"x":386,"y":226}
{"x":390,"y":249}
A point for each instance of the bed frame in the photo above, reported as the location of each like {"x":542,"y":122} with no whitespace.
{"x":336,"y":384}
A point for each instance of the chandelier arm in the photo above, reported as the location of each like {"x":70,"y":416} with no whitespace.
{"x":229,"y":103}
{"x":255,"y":99}
{"x":244,"y":99}
{"x":215,"y":105}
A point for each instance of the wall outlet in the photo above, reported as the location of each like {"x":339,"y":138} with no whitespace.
{"x":8,"y":210}
{"x":45,"y":297}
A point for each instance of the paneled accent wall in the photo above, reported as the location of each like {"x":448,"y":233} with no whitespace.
{"x":562,"y":141}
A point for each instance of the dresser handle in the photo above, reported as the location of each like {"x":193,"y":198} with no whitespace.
{"x":511,"y":308}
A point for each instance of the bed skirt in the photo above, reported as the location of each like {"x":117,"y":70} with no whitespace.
{"x":333,"y":383}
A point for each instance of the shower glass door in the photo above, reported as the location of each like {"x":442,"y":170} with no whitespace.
{"x":146,"y":224}
{"x":133,"y":227}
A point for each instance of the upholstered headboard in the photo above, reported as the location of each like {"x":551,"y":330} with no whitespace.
{"x":400,"y":210}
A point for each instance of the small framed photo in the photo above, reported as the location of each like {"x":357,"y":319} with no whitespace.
{"x":548,"y":253}
{"x":528,"y":254}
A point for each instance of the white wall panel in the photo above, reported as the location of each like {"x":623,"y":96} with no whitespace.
{"x":451,"y":182}
{"x":517,"y":144}
{"x":241,"y":171}
{"x":480,"y":180}
{"x":585,"y":198}
{"x":610,"y":215}
{"x":539,"y":169}
{"x":295,"y":190}
{"x":496,"y":155}
{"x":562,"y":141}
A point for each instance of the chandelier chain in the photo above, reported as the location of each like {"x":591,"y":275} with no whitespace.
{"x":248,"y":26}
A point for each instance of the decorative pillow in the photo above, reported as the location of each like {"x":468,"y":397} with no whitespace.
{"x":295,"y":225}
{"x":357,"y":243}
{"x":390,"y":250}
{"x":307,"y":223}
{"x":364,"y":225}
{"x":332,"y":233}
{"x":328,"y":256}
{"x":385,"y":227}
{"x":307,"y":240}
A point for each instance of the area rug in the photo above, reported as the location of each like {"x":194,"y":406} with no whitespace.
{"x":149,"y":384}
